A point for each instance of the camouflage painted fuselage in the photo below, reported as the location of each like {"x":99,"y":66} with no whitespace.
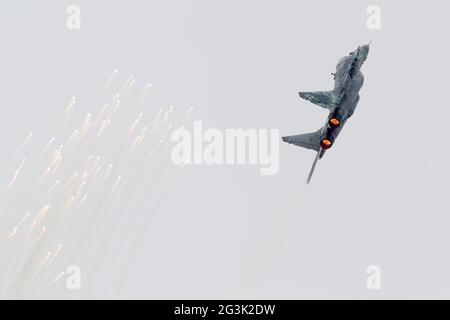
{"x":341,"y":103}
{"x":348,"y":82}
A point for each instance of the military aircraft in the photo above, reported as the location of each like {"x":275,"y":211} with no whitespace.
{"x":341,"y":102}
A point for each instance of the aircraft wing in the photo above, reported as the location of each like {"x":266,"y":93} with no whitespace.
{"x":325,"y":99}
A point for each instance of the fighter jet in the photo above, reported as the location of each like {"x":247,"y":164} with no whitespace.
{"x":340,"y":102}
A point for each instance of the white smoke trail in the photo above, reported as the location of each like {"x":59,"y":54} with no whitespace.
{"x":109,"y":81}
{"x":85,"y":196}
{"x":14,"y":178}
{"x":24,"y":142}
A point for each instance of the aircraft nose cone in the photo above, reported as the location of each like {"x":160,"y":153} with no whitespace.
{"x":365,"y":51}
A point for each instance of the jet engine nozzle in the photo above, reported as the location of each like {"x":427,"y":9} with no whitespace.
{"x":334,"y":122}
{"x":326,"y":143}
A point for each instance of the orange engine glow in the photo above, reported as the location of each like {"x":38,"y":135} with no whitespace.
{"x":334,"y":122}
{"x":326,"y":143}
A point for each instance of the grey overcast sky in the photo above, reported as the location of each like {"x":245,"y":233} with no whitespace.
{"x":378,"y":198}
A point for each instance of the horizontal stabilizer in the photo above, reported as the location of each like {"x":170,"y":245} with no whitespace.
{"x":325,"y":99}
{"x":307,"y":140}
